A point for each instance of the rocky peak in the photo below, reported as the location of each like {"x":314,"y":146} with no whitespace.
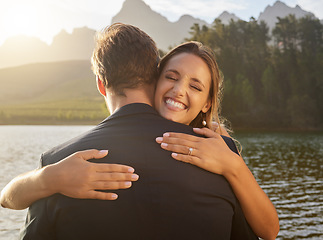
{"x":226,"y":17}
{"x":280,"y":9}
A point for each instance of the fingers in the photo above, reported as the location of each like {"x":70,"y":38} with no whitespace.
{"x":183,"y":149}
{"x":101,"y":195}
{"x":178,"y":139}
{"x":178,"y":142}
{"x":186,"y":139}
{"x":108,"y":185}
{"x":214,"y":126}
{"x":91,"y":153}
{"x":115,"y":177}
{"x":185,"y":158}
{"x":206,"y":132}
{"x":175,"y":141}
{"x":181,"y":136}
{"x":107,"y":167}
{"x":111,"y":181}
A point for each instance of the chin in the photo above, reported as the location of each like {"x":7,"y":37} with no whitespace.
{"x":171,"y":118}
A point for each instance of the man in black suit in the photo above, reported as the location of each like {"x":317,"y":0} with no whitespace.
{"x":172,"y":200}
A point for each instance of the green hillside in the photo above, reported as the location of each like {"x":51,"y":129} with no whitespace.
{"x":50,"y":93}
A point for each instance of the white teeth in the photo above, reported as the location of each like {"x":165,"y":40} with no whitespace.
{"x":175,"y":104}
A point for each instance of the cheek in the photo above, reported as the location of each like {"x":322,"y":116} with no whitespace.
{"x":199,"y":102}
{"x":159,"y":94}
{"x":162,"y":88}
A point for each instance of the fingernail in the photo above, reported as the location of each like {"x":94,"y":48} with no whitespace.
{"x":166,"y":134}
{"x":164,"y":144}
{"x":174,"y":154}
{"x":196,"y":128}
{"x":104,"y":151}
{"x":134,"y":177}
{"x":127,"y":184}
{"x":114,"y":196}
{"x":131,"y":170}
{"x":159,"y":139}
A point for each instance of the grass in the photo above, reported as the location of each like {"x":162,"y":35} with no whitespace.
{"x":82,"y":111}
{"x":50,"y":93}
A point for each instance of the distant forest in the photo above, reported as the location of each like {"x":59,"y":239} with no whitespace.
{"x":270,"y":81}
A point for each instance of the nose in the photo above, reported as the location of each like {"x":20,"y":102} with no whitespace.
{"x":179,"y":88}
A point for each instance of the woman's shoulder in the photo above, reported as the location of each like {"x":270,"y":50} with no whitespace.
{"x":229,"y":141}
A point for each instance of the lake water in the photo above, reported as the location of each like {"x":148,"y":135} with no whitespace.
{"x":286,"y":165}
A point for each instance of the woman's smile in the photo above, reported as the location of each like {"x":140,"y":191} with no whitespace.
{"x":174,"y":105}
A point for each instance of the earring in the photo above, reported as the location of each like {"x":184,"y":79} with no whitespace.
{"x":204,"y":120}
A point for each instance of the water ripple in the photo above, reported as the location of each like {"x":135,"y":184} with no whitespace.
{"x":288,"y":168}
{"x":286,"y":165}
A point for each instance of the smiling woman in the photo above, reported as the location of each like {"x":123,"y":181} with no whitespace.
{"x":183,"y":88}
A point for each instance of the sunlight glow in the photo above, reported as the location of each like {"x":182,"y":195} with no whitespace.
{"x":21,"y":19}
{"x":44,"y":19}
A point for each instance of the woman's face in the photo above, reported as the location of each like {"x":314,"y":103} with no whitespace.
{"x":183,"y":88}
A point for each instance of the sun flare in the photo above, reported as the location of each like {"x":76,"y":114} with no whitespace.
{"x":21,"y":20}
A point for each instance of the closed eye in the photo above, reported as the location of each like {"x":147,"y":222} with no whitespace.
{"x":196,"y":88}
{"x":198,"y":84}
{"x":171,"y":78}
{"x":172,"y":74}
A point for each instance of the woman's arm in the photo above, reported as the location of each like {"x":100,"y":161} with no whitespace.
{"x":73,"y":176}
{"x":257,"y":207}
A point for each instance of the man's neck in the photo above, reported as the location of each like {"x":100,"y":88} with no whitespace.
{"x":142,"y":95}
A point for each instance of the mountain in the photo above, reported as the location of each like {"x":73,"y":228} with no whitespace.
{"x":280,"y":9}
{"x":164,"y":32}
{"x":79,"y":44}
{"x":227,"y":17}
{"x":21,"y":50}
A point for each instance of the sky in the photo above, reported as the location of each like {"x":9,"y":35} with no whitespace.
{"x":46,"y":18}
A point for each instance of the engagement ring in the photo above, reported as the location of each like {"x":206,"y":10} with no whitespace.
{"x":190,"y":151}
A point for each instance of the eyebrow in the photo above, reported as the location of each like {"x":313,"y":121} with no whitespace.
{"x":172,"y":70}
{"x":193,"y":79}
{"x":198,"y":81}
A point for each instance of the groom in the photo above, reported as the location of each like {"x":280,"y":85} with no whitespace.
{"x":172,"y":200}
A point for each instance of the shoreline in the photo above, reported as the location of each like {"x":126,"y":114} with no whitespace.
{"x":95,"y":122}
{"x":291,"y":130}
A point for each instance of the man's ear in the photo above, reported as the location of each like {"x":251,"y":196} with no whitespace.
{"x":207,"y":106}
{"x":101,"y":86}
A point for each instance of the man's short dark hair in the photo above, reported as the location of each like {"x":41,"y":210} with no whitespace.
{"x":125,"y":57}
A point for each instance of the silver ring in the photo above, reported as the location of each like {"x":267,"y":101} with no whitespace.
{"x":190,"y":151}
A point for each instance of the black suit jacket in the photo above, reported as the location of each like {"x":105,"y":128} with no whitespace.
{"x":171,"y":200}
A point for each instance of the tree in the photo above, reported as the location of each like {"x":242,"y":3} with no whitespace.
{"x":283,"y":77}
